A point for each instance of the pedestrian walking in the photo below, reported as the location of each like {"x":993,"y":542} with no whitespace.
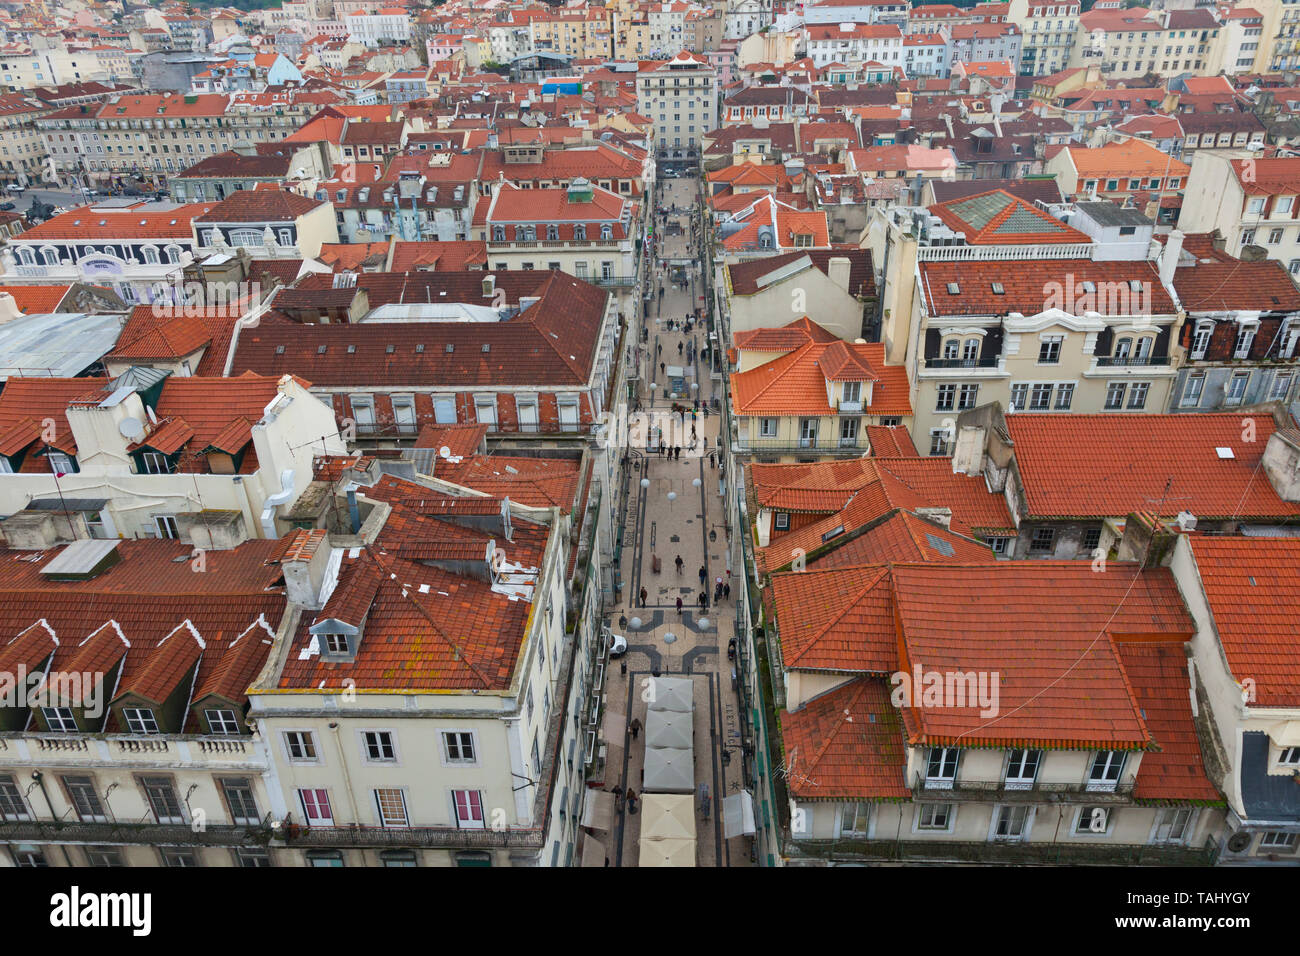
{"x":706,"y":443}
{"x":644,"y":594}
{"x":726,"y":591}
{"x":703,"y":576}
{"x":663,"y":369}
{"x":659,"y":348}
{"x":706,"y":412}
{"x":679,"y":563}
{"x":635,"y":727}
{"x":704,"y":600}
{"x":679,"y":348}
{"x":677,"y":452}
{"x":696,"y":405}
{"x":679,"y":607}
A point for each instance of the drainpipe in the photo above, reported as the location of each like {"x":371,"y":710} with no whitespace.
{"x":354,"y":513}
{"x":279,"y":498}
{"x":347,"y":777}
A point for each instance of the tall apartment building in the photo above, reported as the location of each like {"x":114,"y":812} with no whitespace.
{"x":681,"y":97}
{"x":1048,"y":34}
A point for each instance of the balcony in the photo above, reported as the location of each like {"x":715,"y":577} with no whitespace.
{"x":1131,"y":361}
{"x":961,"y":363}
{"x":1017,"y":853}
{"x":1018,"y":792}
{"x":1071,"y":250}
{"x":74,"y":831}
{"x":163,"y":749}
{"x":801,"y":446}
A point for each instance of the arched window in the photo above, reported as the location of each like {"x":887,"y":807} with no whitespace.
{"x":498,"y":233}
{"x":1123,"y":347}
{"x":50,"y":254}
{"x":971,"y":350}
{"x":607,"y":232}
{"x":173,"y":253}
{"x":580,"y":231}
{"x":951,"y":348}
{"x":151,"y":255}
{"x":27,"y":256}
{"x":552,"y":231}
{"x":246,"y":237}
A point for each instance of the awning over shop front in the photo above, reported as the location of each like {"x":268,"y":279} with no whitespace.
{"x":593,"y":851}
{"x":738,"y":815}
{"x":598,"y":810}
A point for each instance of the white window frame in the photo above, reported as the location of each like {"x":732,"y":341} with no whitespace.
{"x":58,"y":719}
{"x":309,"y":738}
{"x":925,"y":817}
{"x":140,"y":720}
{"x":944,"y":780}
{"x":1008,"y":811}
{"x":383,"y":739}
{"x":1017,"y":761}
{"x":1169,"y":829}
{"x":764,"y":431}
{"x":1104,"y":783}
{"x":853,"y":820}
{"x":448,"y":760}
{"x":1085,"y":813}
{"x":226,"y":719}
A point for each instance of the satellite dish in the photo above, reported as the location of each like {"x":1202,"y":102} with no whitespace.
{"x":131,"y":428}
{"x":444,"y":451}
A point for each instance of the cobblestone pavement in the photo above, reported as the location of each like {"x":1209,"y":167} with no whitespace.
{"x":658,"y":530}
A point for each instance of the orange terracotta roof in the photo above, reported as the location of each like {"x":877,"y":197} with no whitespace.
{"x":36,"y":299}
{"x":1252,"y":586}
{"x":1130,"y":157}
{"x":1157,"y":672}
{"x":890,"y":441}
{"x":1047,"y":629}
{"x":1113,"y":465}
{"x":999,"y":218}
{"x":795,"y":384}
{"x":846,"y":744}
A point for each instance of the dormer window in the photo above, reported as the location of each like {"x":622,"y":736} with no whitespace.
{"x":1245,"y":339}
{"x":552,"y":232}
{"x":951,"y":349}
{"x":334,"y":643}
{"x":852,"y":393}
{"x":140,"y":720}
{"x":607,"y":232}
{"x":580,"y":231}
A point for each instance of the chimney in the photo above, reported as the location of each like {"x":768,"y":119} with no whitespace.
{"x":1169,"y":258}
{"x":304,"y":567}
{"x":947,"y":121}
{"x":838,"y":270}
{"x":8,"y":308}
{"x":1146,"y":539}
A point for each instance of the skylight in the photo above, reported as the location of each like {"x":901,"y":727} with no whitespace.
{"x":954,"y":288}
{"x":999,"y":289}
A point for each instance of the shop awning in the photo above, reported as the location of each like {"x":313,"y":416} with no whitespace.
{"x":668,"y":816}
{"x":593,"y":851}
{"x":667,"y":853}
{"x":738,"y":815}
{"x":598,"y":810}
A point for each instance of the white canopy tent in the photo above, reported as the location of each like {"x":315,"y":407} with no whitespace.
{"x":669,"y":770}
{"x":667,"y":853}
{"x":666,"y":728}
{"x":675,"y":694}
{"x":738,"y":815}
{"x":668,"y":816}
{"x":598,"y":810}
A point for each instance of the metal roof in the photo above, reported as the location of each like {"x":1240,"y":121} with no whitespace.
{"x":58,"y":345}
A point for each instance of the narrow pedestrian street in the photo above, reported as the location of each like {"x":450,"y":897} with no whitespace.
{"x":675,"y":551}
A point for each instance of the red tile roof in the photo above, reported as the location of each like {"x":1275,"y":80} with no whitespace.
{"x":114,"y":225}
{"x":551,"y":343}
{"x":795,"y":384}
{"x":427,"y":628}
{"x":35,"y":299}
{"x":25,"y":402}
{"x":260,"y":205}
{"x":846,"y":744}
{"x":890,"y":441}
{"x":785,"y":339}
{"x":163,"y":334}
{"x":1032,"y":286}
{"x":1265,"y":286}
{"x":745,"y":276}
{"x":1157,"y":672}
{"x":1114,"y":465}
{"x":1047,"y":630}
{"x":143,"y":598}
{"x":1252,"y":586}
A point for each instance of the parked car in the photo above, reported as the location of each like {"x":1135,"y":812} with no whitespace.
{"x":617,"y":644}
{"x":7,"y":206}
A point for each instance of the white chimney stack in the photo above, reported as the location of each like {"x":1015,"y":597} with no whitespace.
{"x":1169,"y":258}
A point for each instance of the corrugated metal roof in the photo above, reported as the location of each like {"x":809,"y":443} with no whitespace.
{"x":56,"y":345}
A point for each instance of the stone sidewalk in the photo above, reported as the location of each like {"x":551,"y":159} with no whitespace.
{"x":694,"y":643}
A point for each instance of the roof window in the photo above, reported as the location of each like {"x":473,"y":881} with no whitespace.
{"x":954,"y":288}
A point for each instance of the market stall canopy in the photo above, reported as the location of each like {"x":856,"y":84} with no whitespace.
{"x":669,"y":770}
{"x":667,"y":853}
{"x":668,"y":816}
{"x":672,"y":693}
{"x":666,"y":728}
